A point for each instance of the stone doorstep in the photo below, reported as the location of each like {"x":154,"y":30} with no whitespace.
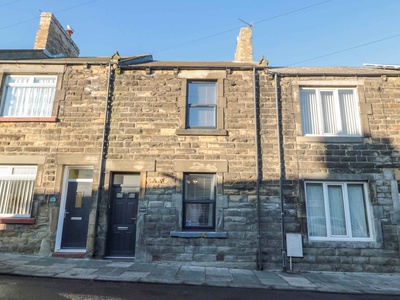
{"x":68,"y":254}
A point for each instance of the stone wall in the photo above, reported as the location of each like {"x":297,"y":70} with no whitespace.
{"x":373,"y":159}
{"x":144,"y":122}
{"x":73,"y":137}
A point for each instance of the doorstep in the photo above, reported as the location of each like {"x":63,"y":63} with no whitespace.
{"x":69,"y":254}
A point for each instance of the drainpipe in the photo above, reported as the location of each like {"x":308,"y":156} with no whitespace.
{"x":280,"y":153}
{"x":102,"y":159}
{"x":257,"y":142}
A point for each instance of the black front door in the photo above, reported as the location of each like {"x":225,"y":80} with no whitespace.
{"x":123,"y":212}
{"x":77,"y":209}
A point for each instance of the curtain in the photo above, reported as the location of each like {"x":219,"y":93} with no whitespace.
{"x":336,"y":208}
{"x":315,"y":210}
{"x":358,"y":217}
{"x":330,"y":122}
{"x":309,"y":112}
{"x":29,"y":99}
{"x":349,"y":113}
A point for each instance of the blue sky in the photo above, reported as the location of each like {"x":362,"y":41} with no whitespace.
{"x":286,"y":32}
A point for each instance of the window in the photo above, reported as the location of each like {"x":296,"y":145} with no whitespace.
{"x":16,"y":190}
{"x":338,"y":211}
{"x":199,"y":201}
{"x":201,"y":104}
{"x":28,"y":96}
{"x":329,"y":112}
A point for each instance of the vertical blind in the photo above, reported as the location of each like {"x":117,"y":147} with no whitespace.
{"x":16,"y":190}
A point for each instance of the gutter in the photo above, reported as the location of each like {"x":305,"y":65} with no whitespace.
{"x":258,"y":177}
{"x":280,"y":158}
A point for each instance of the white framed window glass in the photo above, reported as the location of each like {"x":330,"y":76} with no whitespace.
{"x":201,"y":104}
{"x":28,"y":96}
{"x":329,"y":112}
{"x":16,"y":190}
{"x":338,"y":211}
{"x":199,"y":201}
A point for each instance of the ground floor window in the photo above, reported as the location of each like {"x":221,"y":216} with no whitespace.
{"x":199,"y":201}
{"x":338,"y":211}
{"x":16,"y":190}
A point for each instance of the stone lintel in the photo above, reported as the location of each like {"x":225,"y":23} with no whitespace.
{"x":130,"y":165}
{"x":200,"y":166}
{"x":22,"y":159}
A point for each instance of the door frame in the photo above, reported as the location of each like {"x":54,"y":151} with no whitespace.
{"x":60,"y":224}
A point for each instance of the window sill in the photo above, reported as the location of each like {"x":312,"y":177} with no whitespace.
{"x":28,"y":221}
{"x":29,"y":119}
{"x":330,"y":139}
{"x":199,"y":234}
{"x":221,"y":132}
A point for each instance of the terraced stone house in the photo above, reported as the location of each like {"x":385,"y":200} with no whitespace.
{"x":207,"y":163}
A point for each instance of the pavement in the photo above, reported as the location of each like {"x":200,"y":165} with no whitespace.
{"x":175,"y":273}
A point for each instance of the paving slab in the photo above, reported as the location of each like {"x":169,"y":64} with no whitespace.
{"x":191,"y":274}
{"x":164,"y":271}
{"x":109,"y":271}
{"x":298,"y":281}
{"x":244,"y":277}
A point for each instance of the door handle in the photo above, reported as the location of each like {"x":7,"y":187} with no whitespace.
{"x":122,"y":228}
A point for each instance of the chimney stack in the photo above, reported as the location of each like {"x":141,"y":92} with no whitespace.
{"x":244,"y":46}
{"x":53,"y":38}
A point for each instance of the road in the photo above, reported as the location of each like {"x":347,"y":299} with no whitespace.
{"x":31,"y":288}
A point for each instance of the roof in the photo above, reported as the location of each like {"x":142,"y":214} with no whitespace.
{"x":197,"y":64}
{"x":332,"y":71}
{"x":22,"y":54}
{"x":43,"y":57}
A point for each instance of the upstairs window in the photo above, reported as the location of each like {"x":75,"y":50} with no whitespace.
{"x":199,"y":201}
{"x":201,"y":105}
{"x":16,"y":190}
{"x":28,"y":96}
{"x":329,"y":112}
{"x":338,"y":211}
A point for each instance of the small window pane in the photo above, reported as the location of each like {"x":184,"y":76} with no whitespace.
{"x":358,"y":213}
{"x":199,"y":214}
{"x":316,"y":210}
{"x":80,"y":174}
{"x":202,"y":116}
{"x":199,"y":187}
{"x":336,"y":208}
{"x":202,"y":93}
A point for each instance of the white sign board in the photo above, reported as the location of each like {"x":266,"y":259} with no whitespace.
{"x":294,"y":245}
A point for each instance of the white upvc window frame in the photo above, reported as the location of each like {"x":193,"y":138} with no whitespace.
{"x":41,"y":109}
{"x":24,"y":198}
{"x":348,"y":236}
{"x":337,"y":113}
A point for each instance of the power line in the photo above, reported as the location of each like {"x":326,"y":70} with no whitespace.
{"x":36,"y":18}
{"x":5,"y":4}
{"x":347,"y":49}
{"x":236,"y":28}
